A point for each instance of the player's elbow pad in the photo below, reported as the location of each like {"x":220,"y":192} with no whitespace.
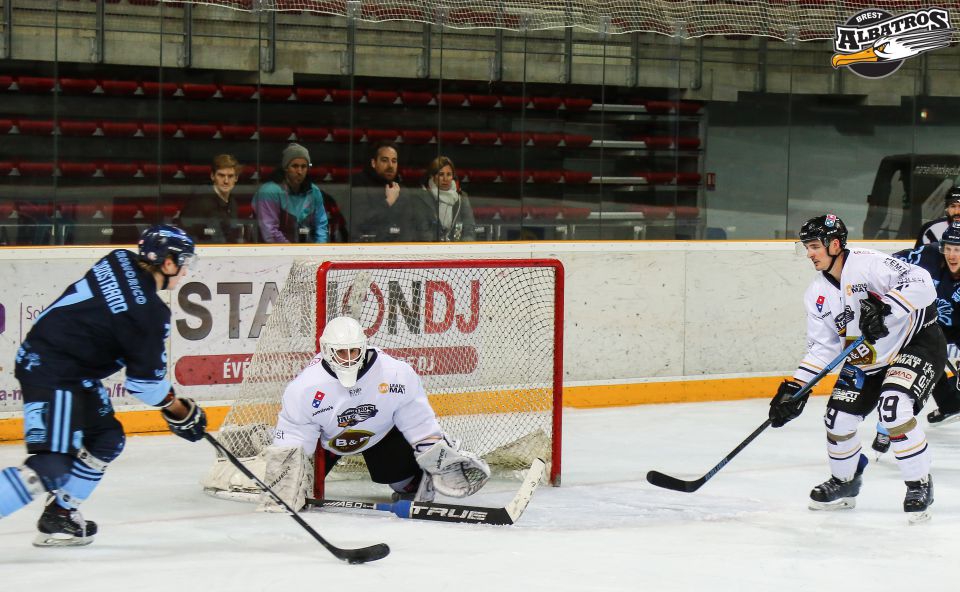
{"x":151,"y":392}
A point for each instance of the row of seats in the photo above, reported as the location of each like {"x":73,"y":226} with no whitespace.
{"x":246,"y":92}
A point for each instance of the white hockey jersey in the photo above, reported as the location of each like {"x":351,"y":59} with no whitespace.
{"x":346,"y":421}
{"x":833,"y":311}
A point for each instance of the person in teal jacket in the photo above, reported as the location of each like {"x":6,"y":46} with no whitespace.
{"x":289,"y":207}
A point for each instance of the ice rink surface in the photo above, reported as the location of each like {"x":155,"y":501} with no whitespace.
{"x":606,"y":528}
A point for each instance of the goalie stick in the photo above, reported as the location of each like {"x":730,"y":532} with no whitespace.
{"x":667,"y":482}
{"x":362,"y":555}
{"x":506,"y":515}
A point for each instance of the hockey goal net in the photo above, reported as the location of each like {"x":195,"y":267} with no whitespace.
{"x":486,"y":337}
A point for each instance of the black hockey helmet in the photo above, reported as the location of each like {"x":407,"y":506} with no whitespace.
{"x":951,"y":236}
{"x":161,"y":241}
{"x":952,"y":197}
{"x":825,"y":228}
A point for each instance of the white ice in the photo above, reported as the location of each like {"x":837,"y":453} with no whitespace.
{"x":605,"y":528}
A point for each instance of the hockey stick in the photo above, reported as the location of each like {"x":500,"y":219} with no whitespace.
{"x":363,"y":555}
{"x":506,"y":515}
{"x":667,"y":482}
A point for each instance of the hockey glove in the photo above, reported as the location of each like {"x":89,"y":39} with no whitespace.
{"x":784,"y":407}
{"x":872,"y":311}
{"x":192,"y":426}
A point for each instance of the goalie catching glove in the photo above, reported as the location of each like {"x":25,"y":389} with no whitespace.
{"x":454,"y":472}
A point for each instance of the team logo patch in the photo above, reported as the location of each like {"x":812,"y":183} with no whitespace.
{"x":355,"y":415}
{"x":350,"y":441}
{"x":317,"y":399}
{"x":35,"y":422}
{"x":820,"y":301}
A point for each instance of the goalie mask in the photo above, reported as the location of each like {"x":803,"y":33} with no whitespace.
{"x":343,"y":346}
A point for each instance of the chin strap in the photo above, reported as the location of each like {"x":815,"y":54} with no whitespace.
{"x":166,"y":277}
{"x":833,"y":259}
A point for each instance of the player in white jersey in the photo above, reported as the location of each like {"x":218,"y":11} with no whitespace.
{"x":355,"y":399}
{"x":892,"y":304}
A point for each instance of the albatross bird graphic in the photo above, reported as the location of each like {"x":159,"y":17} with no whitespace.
{"x":897,"y":47}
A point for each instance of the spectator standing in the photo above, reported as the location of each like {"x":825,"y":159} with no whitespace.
{"x":290,"y":207}
{"x":441,"y":210}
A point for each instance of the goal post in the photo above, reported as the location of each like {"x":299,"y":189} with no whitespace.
{"x":484,"y":335}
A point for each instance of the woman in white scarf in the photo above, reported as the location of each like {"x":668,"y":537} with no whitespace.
{"x":442,"y":211}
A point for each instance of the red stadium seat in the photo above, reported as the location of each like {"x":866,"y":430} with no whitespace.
{"x":35,"y":169}
{"x":416,"y":136}
{"x":196,"y":171}
{"x":688,"y":143}
{"x":6,"y":82}
{"x":451,"y":99}
{"x":198,"y":91}
{"x":120,"y":170}
{"x":265,"y":171}
{"x":480,"y":175}
{"x":119,"y":87}
{"x":312,"y":95}
{"x":78,"y":86}
{"x":546,"y":140}
{"x":576,"y":177}
{"x":553,"y":176}
{"x":6,"y":125}
{"x":687,"y":212}
{"x":577,"y":140}
{"x":542,"y":212}
{"x":382,"y":97}
{"x":571,"y":104}
{"x":345,"y":135}
{"x":658,"y":178}
{"x":377,"y":135}
{"x":546,"y":103}
{"x":486,"y":212}
{"x":573,"y":213}
{"x":513,"y":177}
{"x":275,"y":93}
{"x":412,"y":175}
{"x":273,"y":133}
{"x":511,"y":212}
{"x":515,"y":138}
{"x":237,"y":132}
{"x":153,"y":130}
{"x":415,"y":99}
{"x":32,"y":127}
{"x":237,"y":92}
{"x":153,"y":170}
{"x":482,"y":138}
{"x":153,"y":89}
{"x":658,"y":142}
{"x":483,"y":101}
{"x":245,"y":210}
{"x":688,"y":178}
{"x":452,"y":137}
{"x":198,"y":131}
{"x":345,"y":95}
{"x":312,"y":134}
{"x":78,"y":169}
{"x":689,"y":107}
{"x":6,"y":167}
{"x":78,"y":128}
{"x":120,"y":129}
{"x":35,"y":84}
{"x":342,"y":174}
{"x":247,"y":171}
{"x":513,"y":103}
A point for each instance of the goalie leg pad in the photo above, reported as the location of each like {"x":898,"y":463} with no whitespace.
{"x":289,"y":473}
{"x":454,"y":472}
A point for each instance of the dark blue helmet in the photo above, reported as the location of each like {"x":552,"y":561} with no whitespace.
{"x":162,"y":241}
{"x":951,"y":236}
{"x":825,"y":228}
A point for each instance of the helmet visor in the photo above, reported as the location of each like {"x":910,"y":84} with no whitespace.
{"x":188,"y":259}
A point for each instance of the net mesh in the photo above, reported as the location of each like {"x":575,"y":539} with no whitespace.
{"x":481,"y":338}
{"x":801,"y":20}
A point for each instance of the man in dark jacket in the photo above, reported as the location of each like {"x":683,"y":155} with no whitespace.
{"x":212,"y":217}
{"x":380,"y":212}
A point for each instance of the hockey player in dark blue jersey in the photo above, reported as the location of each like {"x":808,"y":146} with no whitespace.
{"x":112,"y":318}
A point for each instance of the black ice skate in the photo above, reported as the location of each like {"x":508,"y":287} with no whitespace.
{"x":919,"y":498}
{"x":939,"y":418}
{"x":60,"y":527}
{"x":881,"y":444}
{"x":836,"y":494}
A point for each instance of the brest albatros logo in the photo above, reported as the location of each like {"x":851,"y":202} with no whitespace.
{"x":873,"y":43}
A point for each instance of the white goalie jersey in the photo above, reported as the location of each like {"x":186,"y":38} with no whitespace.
{"x":388,"y":393}
{"x":833,"y":311}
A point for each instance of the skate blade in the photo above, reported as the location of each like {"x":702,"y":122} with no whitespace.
{"x":844,"y":503}
{"x":60,"y":540}
{"x":952,"y":419}
{"x":918,"y":517}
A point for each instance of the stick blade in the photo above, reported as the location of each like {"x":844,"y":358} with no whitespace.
{"x":363,"y":555}
{"x":667,"y":482}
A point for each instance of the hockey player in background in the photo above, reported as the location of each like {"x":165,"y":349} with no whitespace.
{"x":112,"y":318}
{"x":931,"y":232}
{"x":356,"y":399}
{"x":892,"y":304}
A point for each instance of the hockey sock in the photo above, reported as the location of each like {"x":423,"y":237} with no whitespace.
{"x":85,"y":475}
{"x":909,"y":444}
{"x":844,"y":456}
{"x":18,"y":487}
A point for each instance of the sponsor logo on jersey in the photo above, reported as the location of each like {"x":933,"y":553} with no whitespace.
{"x":384,"y":387}
{"x":897,"y":265}
{"x":907,"y":360}
{"x":355,"y":415}
{"x":820,"y":301}
{"x":863,"y":355}
{"x":356,"y":391}
{"x":855,"y":288}
{"x":324,"y":410}
{"x":317,"y":399}
{"x":901,"y":376}
{"x":350,"y":441}
{"x":841,"y":320}
{"x":392,"y":388}
{"x":845,"y":395}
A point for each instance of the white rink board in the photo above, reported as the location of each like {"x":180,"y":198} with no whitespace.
{"x":634,"y":311}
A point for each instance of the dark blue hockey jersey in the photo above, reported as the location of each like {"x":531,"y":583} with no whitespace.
{"x":948,"y":289}
{"x":110,"y":319}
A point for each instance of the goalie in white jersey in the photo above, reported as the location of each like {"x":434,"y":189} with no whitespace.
{"x":892,"y":304}
{"x":355,"y":399}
